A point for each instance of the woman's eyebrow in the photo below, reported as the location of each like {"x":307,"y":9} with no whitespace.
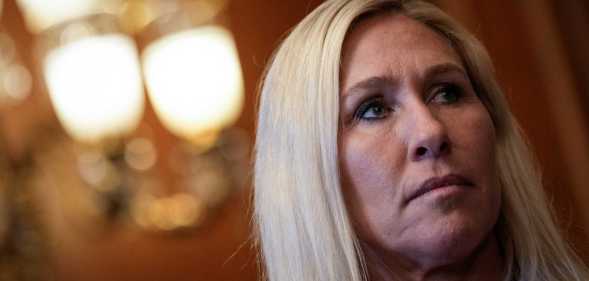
{"x":372,"y":83}
{"x":381,"y":82}
{"x":443,"y":68}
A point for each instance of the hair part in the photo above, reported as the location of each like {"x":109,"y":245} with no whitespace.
{"x":302,"y":225}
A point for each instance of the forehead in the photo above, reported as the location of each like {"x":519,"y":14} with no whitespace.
{"x":392,"y":45}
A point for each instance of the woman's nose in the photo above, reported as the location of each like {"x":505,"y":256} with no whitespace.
{"x":428,"y":139}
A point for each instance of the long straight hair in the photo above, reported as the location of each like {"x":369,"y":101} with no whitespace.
{"x":302,"y":225}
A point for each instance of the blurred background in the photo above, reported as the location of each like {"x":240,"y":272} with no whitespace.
{"x":126,"y":127}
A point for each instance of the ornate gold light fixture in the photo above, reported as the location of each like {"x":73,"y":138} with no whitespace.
{"x":195,"y":85}
{"x":110,"y":167}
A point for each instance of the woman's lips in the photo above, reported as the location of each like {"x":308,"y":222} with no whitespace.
{"x":439,"y":182}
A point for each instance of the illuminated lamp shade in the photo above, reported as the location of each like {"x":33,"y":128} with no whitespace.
{"x":42,"y":14}
{"x":194,"y":82}
{"x":95,"y":86}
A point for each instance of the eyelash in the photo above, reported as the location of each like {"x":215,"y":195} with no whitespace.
{"x":371,"y":103}
{"x":368,"y":105}
{"x":447,"y":88}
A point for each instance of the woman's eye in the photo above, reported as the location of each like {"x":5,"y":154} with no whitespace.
{"x":372,"y":110}
{"x":447,"y":94}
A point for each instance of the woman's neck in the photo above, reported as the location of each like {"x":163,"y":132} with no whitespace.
{"x":484,"y":264}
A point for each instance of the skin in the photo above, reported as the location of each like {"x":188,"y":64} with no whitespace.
{"x":409,"y":113}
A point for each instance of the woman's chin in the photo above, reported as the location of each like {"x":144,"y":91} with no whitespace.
{"x":449,"y":229}
{"x":445,"y":240}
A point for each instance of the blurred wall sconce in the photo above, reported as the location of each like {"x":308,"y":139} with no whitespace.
{"x":94,"y":75}
{"x":194,"y":82}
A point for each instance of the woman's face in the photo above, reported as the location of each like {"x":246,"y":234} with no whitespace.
{"x":416,"y":144}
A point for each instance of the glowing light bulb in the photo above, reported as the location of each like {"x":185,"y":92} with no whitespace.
{"x":194,"y":81}
{"x":95,"y":86}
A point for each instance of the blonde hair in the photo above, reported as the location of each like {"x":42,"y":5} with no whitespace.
{"x":301,"y":219}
